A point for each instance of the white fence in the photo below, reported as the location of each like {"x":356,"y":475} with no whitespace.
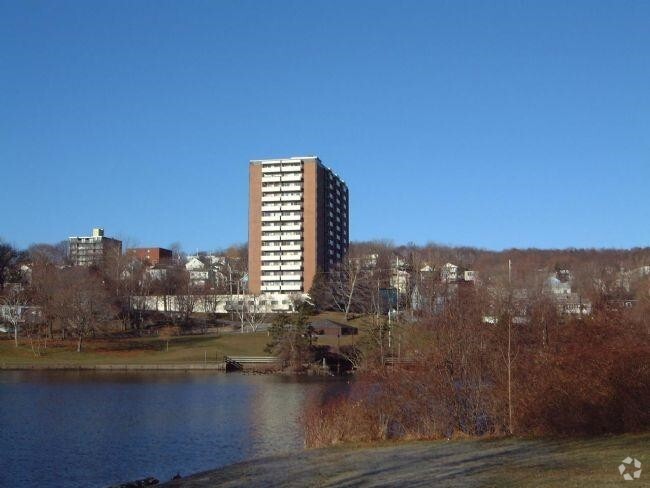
{"x":270,"y":303}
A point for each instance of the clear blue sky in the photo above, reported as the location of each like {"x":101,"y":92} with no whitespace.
{"x":492,"y":124}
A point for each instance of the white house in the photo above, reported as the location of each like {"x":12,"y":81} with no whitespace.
{"x":156,"y":272}
{"x":449,"y":272}
{"x":400,"y":280}
{"x":194,"y":264}
{"x":557,"y":286}
{"x":470,"y":275}
{"x":198,"y":271}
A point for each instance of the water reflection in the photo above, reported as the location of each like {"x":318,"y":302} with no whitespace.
{"x":97,"y":428}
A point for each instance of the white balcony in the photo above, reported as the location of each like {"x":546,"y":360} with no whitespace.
{"x":270,"y":278}
{"x":271,"y":198}
{"x":270,"y":287}
{"x":271,"y":227}
{"x":271,"y":218}
{"x":289,"y":198}
{"x":271,"y":178}
{"x":289,"y":217}
{"x":270,"y":258}
{"x":268,"y":247}
{"x":291,"y":236}
{"x":270,"y":168}
{"x":291,"y":247}
{"x":291,"y":286}
{"x":290,"y":227}
{"x":271,"y":207}
{"x":291,"y":277}
{"x":291,"y":177}
{"x":291,"y":187}
{"x":271,"y":267}
{"x":292,"y":168}
{"x":291,"y":256}
{"x":290,"y":267}
{"x":291,"y":207}
{"x":271,"y":189}
{"x":270,"y":238}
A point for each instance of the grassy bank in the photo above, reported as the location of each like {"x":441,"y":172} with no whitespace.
{"x":149,"y":350}
{"x":153,"y":350}
{"x":466,"y":463}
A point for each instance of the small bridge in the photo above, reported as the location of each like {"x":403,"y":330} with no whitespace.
{"x":238,"y":363}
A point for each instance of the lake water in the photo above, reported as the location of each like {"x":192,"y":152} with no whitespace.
{"x":87,"y":429}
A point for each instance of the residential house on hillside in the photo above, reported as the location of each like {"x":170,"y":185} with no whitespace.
{"x":556,"y":286}
{"x":419,"y":302}
{"x":573,"y":304}
{"x":199,"y":272}
{"x":470,"y":275}
{"x":640,"y":272}
{"x":366,"y":262}
{"x":400,"y":280}
{"x":452,"y":273}
{"x":448,"y":273}
{"x":157,"y":272}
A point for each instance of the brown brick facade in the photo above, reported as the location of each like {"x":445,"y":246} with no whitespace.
{"x":151,"y":255}
{"x":310,"y":224}
{"x":255,"y":229}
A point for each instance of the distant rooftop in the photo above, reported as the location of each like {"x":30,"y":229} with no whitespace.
{"x":294,"y":158}
{"x":98,"y":233}
{"x":279,"y":160}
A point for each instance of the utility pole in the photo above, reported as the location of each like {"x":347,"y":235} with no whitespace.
{"x":389,"y":327}
{"x":510,"y":346}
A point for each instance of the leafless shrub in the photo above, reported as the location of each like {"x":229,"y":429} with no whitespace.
{"x":575,"y":376}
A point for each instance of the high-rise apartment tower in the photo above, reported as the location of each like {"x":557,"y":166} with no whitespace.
{"x":298,"y":223}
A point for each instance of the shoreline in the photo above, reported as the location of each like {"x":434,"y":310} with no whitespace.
{"x":114,"y":367}
{"x":221,"y":367}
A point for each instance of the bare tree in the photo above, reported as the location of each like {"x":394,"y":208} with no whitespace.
{"x":8,"y":256}
{"x":82,"y":303}
{"x":56,"y":254}
{"x":249,"y":311}
{"x":185,"y":305}
{"x":349,"y":288}
{"x":36,"y":332}
{"x":255,"y":314}
{"x":122,"y":276}
{"x":167,"y":332}
{"x":290,"y":340}
{"x":12,"y":310}
{"x":210,"y":305}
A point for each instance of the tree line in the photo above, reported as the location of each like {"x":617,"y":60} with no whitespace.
{"x":472,"y":366}
{"x":81,"y":302}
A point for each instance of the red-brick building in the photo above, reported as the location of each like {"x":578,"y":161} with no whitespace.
{"x":150,"y":255}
